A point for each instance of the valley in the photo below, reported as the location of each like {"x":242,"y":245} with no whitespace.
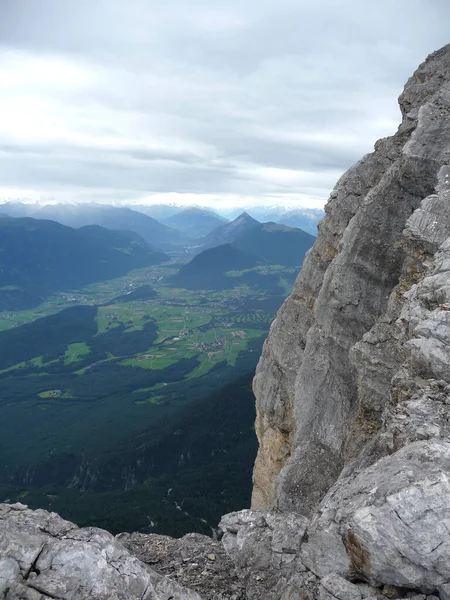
{"x":96,"y":380}
{"x":126,"y":360}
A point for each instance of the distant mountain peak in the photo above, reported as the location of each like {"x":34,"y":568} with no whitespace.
{"x":245,"y":217}
{"x":228,"y":232}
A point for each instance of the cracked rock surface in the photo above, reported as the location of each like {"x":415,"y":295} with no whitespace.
{"x":392,"y":521}
{"x":327,"y":363}
{"x":353,"y":386}
{"x":42,"y":556}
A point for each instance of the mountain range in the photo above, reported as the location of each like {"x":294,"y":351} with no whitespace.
{"x":40,"y":257}
{"x":241,"y":245}
{"x":111,"y":217}
{"x":302,"y":218}
{"x":97,"y":383}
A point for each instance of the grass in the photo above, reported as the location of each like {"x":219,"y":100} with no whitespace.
{"x":211,"y":347}
{"x":255,"y":316}
{"x":264,"y":270}
{"x":34,"y":362}
{"x":76,"y":352}
{"x":98,"y":293}
{"x":213,"y":326}
{"x":183,"y":333}
{"x":133,"y":314}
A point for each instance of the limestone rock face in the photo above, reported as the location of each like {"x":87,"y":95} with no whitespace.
{"x":353,"y":386}
{"x":265,"y":547}
{"x":324,"y":379}
{"x":392,"y":520}
{"x":42,"y":556}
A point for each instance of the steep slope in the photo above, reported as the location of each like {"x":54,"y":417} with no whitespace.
{"x":341,"y":291}
{"x":195,"y":222}
{"x":228,"y":233}
{"x":110,"y":217}
{"x":276,"y":244}
{"x":41,"y":257}
{"x":207,"y":269}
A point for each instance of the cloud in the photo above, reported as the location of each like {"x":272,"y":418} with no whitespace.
{"x":241,"y":102}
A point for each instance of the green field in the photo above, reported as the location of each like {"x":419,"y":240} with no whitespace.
{"x":157,"y":276}
{"x":212,"y":326}
{"x":76,"y":352}
{"x":92,"y":383}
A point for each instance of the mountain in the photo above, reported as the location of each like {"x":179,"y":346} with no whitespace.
{"x":41,"y":257}
{"x":276,"y":244}
{"x":195,"y":222}
{"x":272,"y":243}
{"x":354,"y":383}
{"x":227,"y":233}
{"x":111,"y":217}
{"x":302,"y":218}
{"x":232,"y":213}
{"x":261,"y":244}
{"x":18,"y":209}
{"x":207,"y":269}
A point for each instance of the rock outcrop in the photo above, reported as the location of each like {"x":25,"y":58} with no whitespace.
{"x":42,"y":556}
{"x":351,"y":492}
{"x":353,"y":387}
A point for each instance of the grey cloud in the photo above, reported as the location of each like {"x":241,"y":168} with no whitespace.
{"x":220,"y":89}
{"x":157,"y":176}
{"x":312,"y":156}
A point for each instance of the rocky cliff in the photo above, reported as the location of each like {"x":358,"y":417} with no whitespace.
{"x":352,"y":480}
{"x":353,"y":385}
{"x":324,"y":380}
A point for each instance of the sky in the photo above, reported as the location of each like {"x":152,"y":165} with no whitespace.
{"x":236,"y":103}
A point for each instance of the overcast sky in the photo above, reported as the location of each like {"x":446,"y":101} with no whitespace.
{"x":239,"y":102}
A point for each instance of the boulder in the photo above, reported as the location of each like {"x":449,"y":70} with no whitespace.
{"x":390,"y":521}
{"x":43,"y":556}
